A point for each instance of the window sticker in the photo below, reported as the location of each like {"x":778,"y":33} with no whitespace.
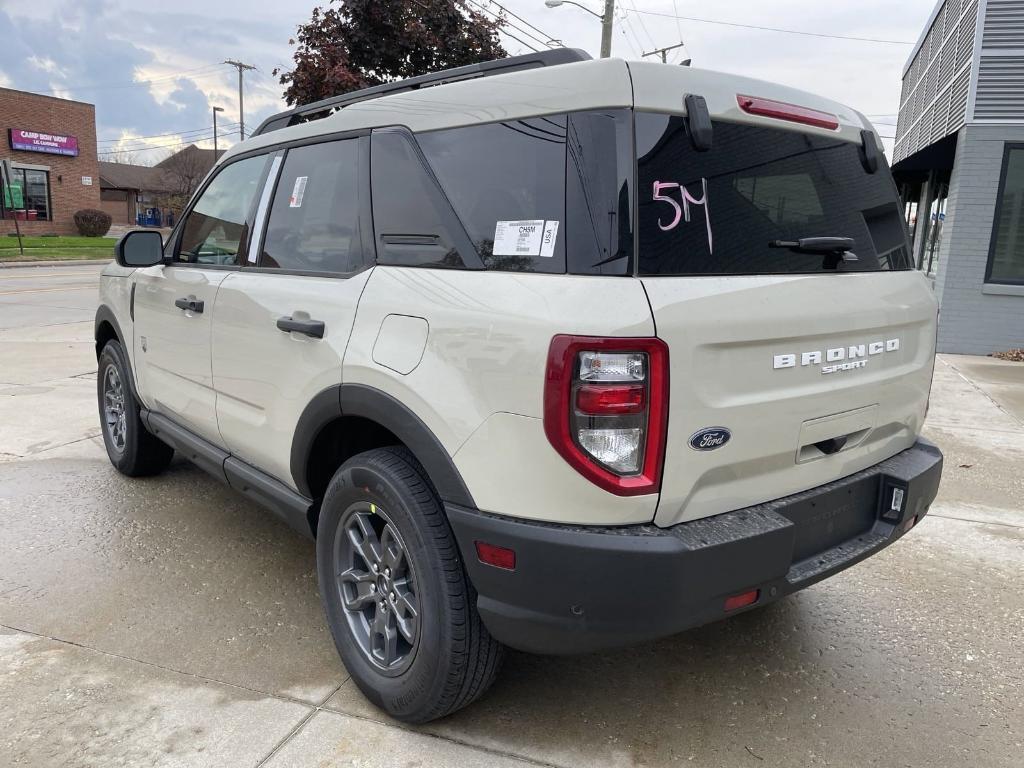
{"x":298,"y":191}
{"x":518,"y":238}
{"x":683,"y":212}
{"x":547,"y":245}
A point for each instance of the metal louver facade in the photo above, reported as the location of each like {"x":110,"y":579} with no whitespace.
{"x":1000,"y":89}
{"x":937,"y":80}
{"x":967,"y":67}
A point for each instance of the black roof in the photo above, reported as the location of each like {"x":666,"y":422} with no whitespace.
{"x":318,"y":109}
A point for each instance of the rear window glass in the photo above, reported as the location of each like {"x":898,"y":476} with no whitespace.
{"x":506,"y":182}
{"x":716,"y":212}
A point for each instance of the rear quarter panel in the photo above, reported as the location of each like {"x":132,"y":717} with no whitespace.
{"x":480,"y":382}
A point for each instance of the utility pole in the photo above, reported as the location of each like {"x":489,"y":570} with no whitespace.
{"x":664,"y":51}
{"x":241,"y":116}
{"x":606,"y":28}
{"x":215,"y":111}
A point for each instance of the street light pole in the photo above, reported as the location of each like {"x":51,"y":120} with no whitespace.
{"x":215,"y":111}
{"x":607,"y":20}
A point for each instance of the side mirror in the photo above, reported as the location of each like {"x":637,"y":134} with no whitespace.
{"x":139,"y":248}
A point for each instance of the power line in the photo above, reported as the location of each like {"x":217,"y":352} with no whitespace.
{"x":643,"y":26}
{"x":534,"y":27}
{"x":162,"y":135}
{"x":506,"y":23}
{"x":626,"y":24}
{"x":148,"y":147}
{"x":134,"y":83}
{"x":771,"y":29}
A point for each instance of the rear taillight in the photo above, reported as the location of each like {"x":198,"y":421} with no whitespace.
{"x":781,"y":110}
{"x":606,"y":409}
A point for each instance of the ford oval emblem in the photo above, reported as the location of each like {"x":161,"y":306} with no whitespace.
{"x":710,"y":438}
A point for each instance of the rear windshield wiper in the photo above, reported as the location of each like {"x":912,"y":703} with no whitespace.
{"x":835,"y":249}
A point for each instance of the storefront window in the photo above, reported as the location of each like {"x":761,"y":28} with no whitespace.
{"x":28,"y":196}
{"x":1006,"y":253}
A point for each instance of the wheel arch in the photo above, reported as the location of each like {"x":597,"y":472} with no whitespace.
{"x":378,"y":419}
{"x":105,"y":329}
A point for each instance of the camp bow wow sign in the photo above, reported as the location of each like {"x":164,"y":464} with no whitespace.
{"x":34,"y":141}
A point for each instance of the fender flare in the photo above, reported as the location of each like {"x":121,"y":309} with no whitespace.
{"x":105,"y":314}
{"x":373,"y":404}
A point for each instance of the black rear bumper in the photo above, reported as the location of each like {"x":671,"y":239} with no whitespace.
{"x":578,"y":588}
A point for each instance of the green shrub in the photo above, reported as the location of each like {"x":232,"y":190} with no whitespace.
{"x":92,"y":223}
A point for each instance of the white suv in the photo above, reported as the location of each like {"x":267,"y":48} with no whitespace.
{"x":550,"y":353}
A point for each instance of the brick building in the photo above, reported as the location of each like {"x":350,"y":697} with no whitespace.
{"x":51,"y":144}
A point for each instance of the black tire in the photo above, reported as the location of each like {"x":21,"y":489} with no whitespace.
{"x":131,"y":448}
{"x":453,"y":659}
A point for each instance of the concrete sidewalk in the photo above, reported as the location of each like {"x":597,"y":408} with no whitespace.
{"x":167,"y":622}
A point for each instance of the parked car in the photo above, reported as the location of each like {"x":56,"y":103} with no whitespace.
{"x":548,"y":353}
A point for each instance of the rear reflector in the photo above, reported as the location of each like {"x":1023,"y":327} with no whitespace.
{"x":492,"y":554}
{"x":742,"y":600}
{"x":781,"y":110}
{"x":610,"y":399}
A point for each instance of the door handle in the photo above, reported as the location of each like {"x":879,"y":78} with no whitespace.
{"x":191,"y":304}
{"x":314,"y":328}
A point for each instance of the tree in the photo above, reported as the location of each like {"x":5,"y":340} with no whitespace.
{"x":358,"y":43}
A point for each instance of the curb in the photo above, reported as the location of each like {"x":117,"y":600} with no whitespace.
{"x":55,"y":263}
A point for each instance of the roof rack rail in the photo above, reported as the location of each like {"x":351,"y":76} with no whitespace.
{"x":325,"y":107}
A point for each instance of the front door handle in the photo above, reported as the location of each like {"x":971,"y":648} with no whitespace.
{"x":191,"y":304}
{"x":314,"y":328}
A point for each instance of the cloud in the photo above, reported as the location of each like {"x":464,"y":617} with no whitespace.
{"x":101,"y":44}
{"x":149,"y":75}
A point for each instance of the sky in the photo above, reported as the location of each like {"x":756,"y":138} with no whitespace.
{"x":154,"y":75}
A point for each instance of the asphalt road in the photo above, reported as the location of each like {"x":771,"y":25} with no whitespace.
{"x":167,"y":622}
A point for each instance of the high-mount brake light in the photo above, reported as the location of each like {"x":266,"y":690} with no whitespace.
{"x":606,"y":409}
{"x":781,"y":110}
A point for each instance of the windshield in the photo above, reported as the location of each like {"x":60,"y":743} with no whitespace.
{"x":716,"y":212}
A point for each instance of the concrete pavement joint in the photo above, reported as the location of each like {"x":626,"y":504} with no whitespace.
{"x":301,"y":724}
{"x":981,"y":391}
{"x":972,"y":520}
{"x":460,"y":742}
{"x":161,"y":667}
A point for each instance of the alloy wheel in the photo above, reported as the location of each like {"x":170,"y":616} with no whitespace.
{"x":376,"y":582}
{"x":114,"y":418}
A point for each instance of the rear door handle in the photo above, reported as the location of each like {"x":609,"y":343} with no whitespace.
{"x":314,"y":328}
{"x":191,"y":304}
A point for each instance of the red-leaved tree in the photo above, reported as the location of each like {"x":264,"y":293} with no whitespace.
{"x":358,"y":43}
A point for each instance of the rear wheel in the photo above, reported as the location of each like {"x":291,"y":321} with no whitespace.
{"x":130,"y":447}
{"x":398,"y":602}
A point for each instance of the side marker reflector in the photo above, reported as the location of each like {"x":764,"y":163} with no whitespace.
{"x":742,"y":600}
{"x":499,"y":557}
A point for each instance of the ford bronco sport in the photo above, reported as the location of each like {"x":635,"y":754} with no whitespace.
{"x":547,"y":353}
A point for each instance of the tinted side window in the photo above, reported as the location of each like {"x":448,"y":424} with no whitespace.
{"x":412,"y":226}
{"x":506,"y":182}
{"x":598,"y":193}
{"x":218,"y":225}
{"x":314,"y":219}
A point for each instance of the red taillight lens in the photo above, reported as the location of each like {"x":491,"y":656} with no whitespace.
{"x":781,"y":110}
{"x":492,"y":554}
{"x":742,"y":600}
{"x":610,"y":399}
{"x":606,"y":409}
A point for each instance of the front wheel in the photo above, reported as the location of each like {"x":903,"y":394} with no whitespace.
{"x":398,"y":601}
{"x":130,"y":446}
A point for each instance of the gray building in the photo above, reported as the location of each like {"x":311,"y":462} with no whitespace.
{"x":959,"y":163}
